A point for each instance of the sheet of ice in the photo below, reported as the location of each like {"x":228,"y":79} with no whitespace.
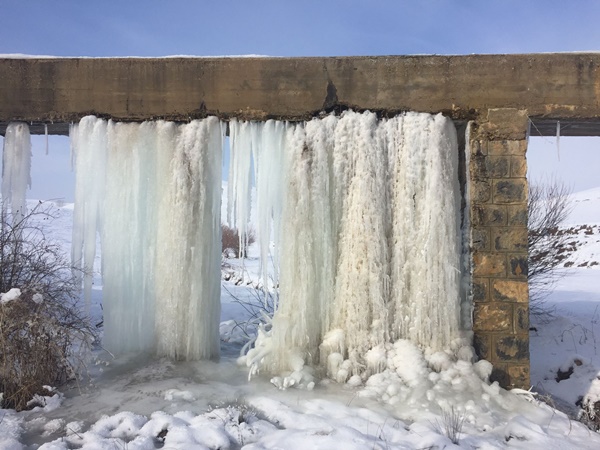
{"x":269,"y":161}
{"x":16,"y":165}
{"x":425,"y":244}
{"x":303,"y":310}
{"x":129,"y":222}
{"x":370,"y":236}
{"x":89,"y":148}
{"x":244,"y":141}
{"x":188,"y":244}
{"x":152,"y":191}
{"x":362,"y":283}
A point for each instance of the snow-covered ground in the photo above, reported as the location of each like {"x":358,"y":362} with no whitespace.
{"x":565,"y":346}
{"x":135,"y":402}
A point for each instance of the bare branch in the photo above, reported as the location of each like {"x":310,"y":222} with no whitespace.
{"x":549,"y":205}
{"x":42,"y":329}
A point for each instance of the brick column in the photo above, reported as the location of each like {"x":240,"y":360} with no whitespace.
{"x":498,"y":208}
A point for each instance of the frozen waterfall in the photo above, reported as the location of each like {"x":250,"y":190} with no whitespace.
{"x":366,"y":215}
{"x":358,"y":222}
{"x":152,"y":191}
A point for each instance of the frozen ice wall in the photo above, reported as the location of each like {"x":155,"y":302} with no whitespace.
{"x":16,"y":165}
{"x":152,"y":192}
{"x":368,"y":236}
{"x":358,"y":216}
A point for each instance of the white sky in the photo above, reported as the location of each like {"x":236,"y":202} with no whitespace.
{"x":303,"y":28}
{"x":574,"y":160}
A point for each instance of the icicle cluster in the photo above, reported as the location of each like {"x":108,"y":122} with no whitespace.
{"x":152,"y":192}
{"x":365,"y":216}
{"x":16,"y":165}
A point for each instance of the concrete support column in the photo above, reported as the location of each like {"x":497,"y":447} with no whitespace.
{"x":498,"y":207}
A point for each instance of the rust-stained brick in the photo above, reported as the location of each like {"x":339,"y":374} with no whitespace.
{"x":521,"y":318}
{"x":510,"y":291}
{"x":517,"y":215}
{"x":488,"y":215}
{"x":480,"y":238}
{"x":517,"y":266}
{"x":482,"y":345}
{"x":512,"y":239}
{"x":518,"y":166}
{"x":497,"y":166}
{"x":481,"y":191}
{"x":489,"y":264}
{"x":492,"y":317}
{"x":510,"y":190}
{"x":518,"y":375}
{"x":481,"y":289}
{"x":511,"y":347}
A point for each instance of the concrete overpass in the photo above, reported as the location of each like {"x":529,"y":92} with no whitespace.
{"x":503,"y":96}
{"x":56,"y":91}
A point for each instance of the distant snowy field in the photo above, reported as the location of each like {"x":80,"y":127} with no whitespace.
{"x":570,"y":339}
{"x":134,"y":403}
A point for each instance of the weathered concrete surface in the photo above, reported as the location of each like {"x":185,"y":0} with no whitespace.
{"x":547,"y":86}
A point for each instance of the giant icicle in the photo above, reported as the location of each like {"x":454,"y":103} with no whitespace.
{"x":362,"y":278}
{"x":152,"y":190}
{"x":129,"y":236}
{"x":16,"y":165}
{"x":370,"y":238}
{"x":243,"y":138}
{"x":89,"y":148}
{"x":298,"y":323}
{"x":425,"y":244}
{"x":269,"y":162}
{"x":189,"y":250}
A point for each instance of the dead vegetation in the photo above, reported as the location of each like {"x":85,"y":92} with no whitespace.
{"x":42,"y":328}
{"x":232,"y":244}
{"x":548,"y":207}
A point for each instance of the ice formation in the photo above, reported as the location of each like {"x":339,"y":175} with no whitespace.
{"x":369,"y":244}
{"x":358,"y":216}
{"x":152,"y":193}
{"x":16,"y":165}
{"x":243,"y":139}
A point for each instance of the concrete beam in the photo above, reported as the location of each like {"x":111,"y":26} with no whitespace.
{"x":549,"y":86}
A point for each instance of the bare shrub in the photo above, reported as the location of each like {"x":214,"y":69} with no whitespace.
{"x":260,"y":306}
{"x":232,"y":244}
{"x":42,"y":328}
{"x":549,"y":205}
{"x":590,"y":413}
{"x":452,"y":424}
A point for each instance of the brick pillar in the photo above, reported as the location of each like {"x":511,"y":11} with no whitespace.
{"x":498,"y":208}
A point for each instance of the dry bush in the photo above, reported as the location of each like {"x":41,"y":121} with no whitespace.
{"x":590,"y":414}
{"x":549,"y":205}
{"x":231,"y":242}
{"x":452,"y":424}
{"x":42,"y":330}
{"x":34,"y":350}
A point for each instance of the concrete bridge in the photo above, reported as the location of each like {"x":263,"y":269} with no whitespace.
{"x":504,"y":97}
